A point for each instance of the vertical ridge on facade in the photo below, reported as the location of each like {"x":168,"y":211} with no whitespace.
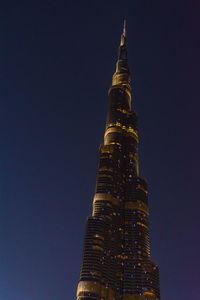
{"x":116,"y":262}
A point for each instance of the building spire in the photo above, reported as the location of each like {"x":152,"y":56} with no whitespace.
{"x":123,"y":36}
{"x":124,"y":30}
{"x":122,"y":73}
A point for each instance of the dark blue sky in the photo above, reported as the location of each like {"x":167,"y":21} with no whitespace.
{"x":57,"y":59}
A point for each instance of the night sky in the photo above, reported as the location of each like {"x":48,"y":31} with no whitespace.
{"x":56,"y":63}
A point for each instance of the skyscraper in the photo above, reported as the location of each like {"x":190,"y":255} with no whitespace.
{"x":116,"y":262}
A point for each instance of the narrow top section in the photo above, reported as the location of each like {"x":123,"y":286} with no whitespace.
{"x":123,"y":36}
{"x":124,"y":31}
{"x":122,"y":73}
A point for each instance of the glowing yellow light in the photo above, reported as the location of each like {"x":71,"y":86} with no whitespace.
{"x":143,"y":225}
{"x":99,"y":236}
{"x":142,"y":188}
{"x":95,"y":247}
{"x":123,"y":127}
{"x":149,"y":293}
{"x":115,"y":143}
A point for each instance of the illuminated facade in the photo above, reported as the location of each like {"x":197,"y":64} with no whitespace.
{"x":116,"y":261}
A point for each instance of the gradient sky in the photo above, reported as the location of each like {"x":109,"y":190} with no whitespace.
{"x":56,"y":63}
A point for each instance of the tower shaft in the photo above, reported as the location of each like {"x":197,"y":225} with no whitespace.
{"x":116,"y":261}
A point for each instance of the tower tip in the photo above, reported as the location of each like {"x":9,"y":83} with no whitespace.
{"x":123,"y":36}
{"x":124,"y":29}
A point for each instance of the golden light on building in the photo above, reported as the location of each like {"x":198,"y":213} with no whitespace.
{"x":116,"y":262}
